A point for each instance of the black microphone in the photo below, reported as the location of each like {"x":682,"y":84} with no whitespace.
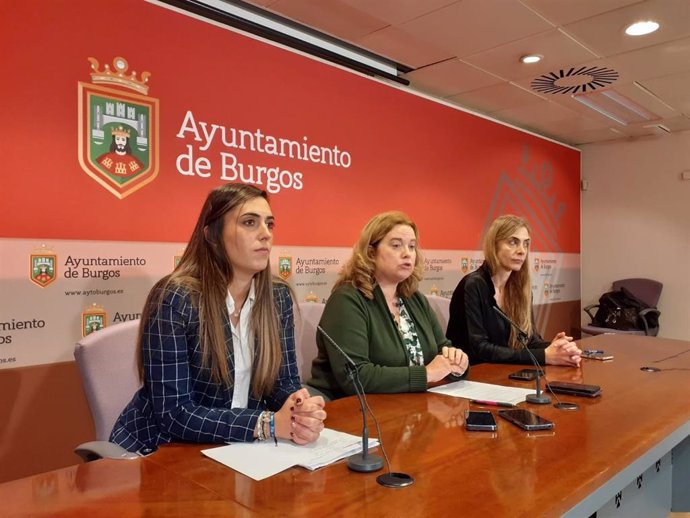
{"x":538,"y":398}
{"x":364,"y":462}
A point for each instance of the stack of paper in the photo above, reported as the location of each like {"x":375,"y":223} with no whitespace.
{"x":484,"y":391}
{"x":264,"y":459}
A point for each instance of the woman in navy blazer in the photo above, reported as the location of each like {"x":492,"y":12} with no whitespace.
{"x":216,"y":341}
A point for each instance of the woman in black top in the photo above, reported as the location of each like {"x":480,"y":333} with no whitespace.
{"x":503,"y":280}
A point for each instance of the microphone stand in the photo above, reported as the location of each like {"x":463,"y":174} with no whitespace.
{"x":363,"y":462}
{"x":538,"y":398}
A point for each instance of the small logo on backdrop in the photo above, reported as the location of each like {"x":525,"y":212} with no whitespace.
{"x":285,"y":267}
{"x":93,"y":318}
{"x":536,"y":264}
{"x":118,"y":129}
{"x":464,"y":264}
{"x":547,"y":290}
{"x":434,"y":290}
{"x":311,"y":297}
{"x":43,"y":266}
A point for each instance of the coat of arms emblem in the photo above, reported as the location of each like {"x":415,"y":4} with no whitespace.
{"x":285,"y":267}
{"x":118,"y":128}
{"x":43,"y":266}
{"x":93,"y":318}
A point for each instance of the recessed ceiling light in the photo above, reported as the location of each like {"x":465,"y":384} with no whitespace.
{"x":531,"y":58}
{"x":641,"y":28}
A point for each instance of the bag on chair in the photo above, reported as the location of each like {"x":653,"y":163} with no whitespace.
{"x":619,"y":310}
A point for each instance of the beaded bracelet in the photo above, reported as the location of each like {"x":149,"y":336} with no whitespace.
{"x":272,"y":427}
{"x":260,"y":428}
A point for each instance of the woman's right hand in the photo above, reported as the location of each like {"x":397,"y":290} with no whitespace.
{"x":438,"y":369}
{"x":563,"y":351}
{"x":301,"y":418}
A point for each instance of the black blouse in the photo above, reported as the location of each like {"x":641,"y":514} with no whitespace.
{"x":474,"y":326}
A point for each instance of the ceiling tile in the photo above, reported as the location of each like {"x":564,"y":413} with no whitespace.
{"x":535,"y":114}
{"x":329,"y":16}
{"x":397,"y":11}
{"x":561,"y":12}
{"x":659,"y":60}
{"x":559,"y":51}
{"x":396,"y":44}
{"x":673,"y":89}
{"x":605,"y":34}
{"x":589,"y":136}
{"x":680,"y":123}
{"x":471,"y":26}
{"x":496,"y":97}
{"x":450,"y":78}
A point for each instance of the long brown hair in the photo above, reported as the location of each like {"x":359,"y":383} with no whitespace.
{"x":205,"y":272}
{"x":517,"y":295}
{"x":360,"y":269}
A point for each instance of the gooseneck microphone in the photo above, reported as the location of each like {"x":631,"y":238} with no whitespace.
{"x":362,"y":462}
{"x":365,"y":462}
{"x":538,"y":398}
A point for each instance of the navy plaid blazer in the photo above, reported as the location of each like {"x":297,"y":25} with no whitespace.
{"x":179,"y":401}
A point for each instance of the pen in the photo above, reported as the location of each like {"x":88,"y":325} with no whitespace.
{"x":492,"y":403}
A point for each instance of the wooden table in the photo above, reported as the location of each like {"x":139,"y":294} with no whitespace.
{"x":592,"y":454}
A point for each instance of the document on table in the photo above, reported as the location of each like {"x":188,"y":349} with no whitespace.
{"x":483,"y":391}
{"x":259,"y":460}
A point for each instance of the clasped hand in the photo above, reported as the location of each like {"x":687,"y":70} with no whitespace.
{"x":450,"y":361}
{"x":563,"y":351}
{"x":301,"y":417}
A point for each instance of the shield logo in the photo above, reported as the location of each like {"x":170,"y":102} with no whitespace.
{"x":177,"y":258}
{"x":536,"y":264}
{"x":43,"y":266}
{"x":547,"y":290}
{"x":464,"y":264}
{"x":93,"y":318}
{"x":118,"y":129}
{"x":285,"y":267}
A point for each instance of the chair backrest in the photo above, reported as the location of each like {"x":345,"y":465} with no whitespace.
{"x":107,"y":364}
{"x":647,"y":290}
{"x":306,"y":320}
{"x":441,"y":307}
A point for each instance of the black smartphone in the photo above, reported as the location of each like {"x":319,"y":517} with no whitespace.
{"x":524,"y":375}
{"x":526,"y":419}
{"x":574,"y":389}
{"x":480,"y":420}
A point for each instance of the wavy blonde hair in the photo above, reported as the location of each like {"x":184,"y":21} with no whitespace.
{"x":205,"y":271}
{"x":517,"y":297}
{"x":360,"y":269}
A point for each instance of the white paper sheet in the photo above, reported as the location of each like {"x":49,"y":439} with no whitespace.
{"x":259,"y":460}
{"x":484,"y":391}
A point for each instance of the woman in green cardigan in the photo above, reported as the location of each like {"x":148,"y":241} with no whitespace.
{"x":377,"y":316}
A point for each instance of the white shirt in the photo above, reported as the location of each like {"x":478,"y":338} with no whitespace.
{"x":242,"y":352}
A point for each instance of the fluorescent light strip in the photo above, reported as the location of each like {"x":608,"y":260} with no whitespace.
{"x":269,"y":23}
{"x":594,"y":106}
{"x":630,"y":105}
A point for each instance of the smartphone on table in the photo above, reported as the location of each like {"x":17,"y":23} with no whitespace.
{"x":597,"y":355}
{"x":524,"y":375}
{"x":480,"y":420}
{"x":526,"y":419}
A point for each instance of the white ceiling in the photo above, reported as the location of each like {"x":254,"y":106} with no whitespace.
{"x":467,"y":52}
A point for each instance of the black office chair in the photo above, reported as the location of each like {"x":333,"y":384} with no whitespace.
{"x":646,"y":290}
